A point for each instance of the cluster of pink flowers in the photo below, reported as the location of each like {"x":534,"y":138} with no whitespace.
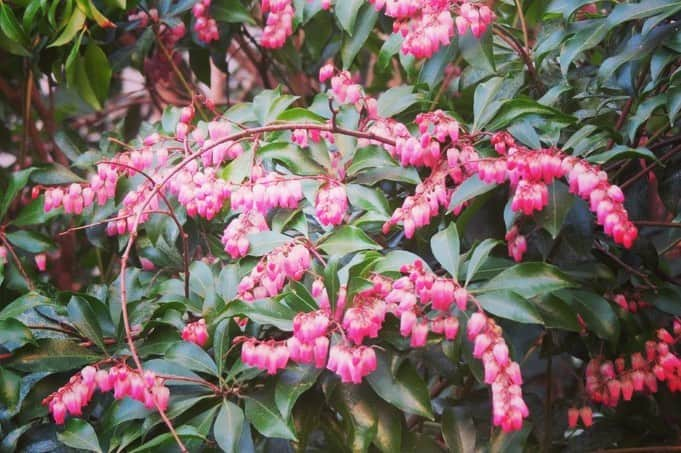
{"x":267,"y":355}
{"x":279,"y":23}
{"x":632,"y":304}
{"x":428,"y":25}
{"x":517,"y":244}
{"x":196,"y":332}
{"x":41,"y":262}
{"x":606,"y":200}
{"x":205,"y":26}
{"x":585,"y":413}
{"x":217,"y":149}
{"x":607,"y":382}
{"x":331,"y":203}
{"x":473,"y":16}
{"x":186,"y":118}
{"x":269,"y":276}
{"x":417,"y":210}
{"x":202,"y":193}
{"x":157,"y":67}
{"x":351,"y":363}
{"x":124,"y":381}
{"x":235,"y":236}
{"x":310,"y":343}
{"x":508,"y":407}
{"x":266,"y":191}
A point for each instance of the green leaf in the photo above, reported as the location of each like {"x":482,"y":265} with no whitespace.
{"x":269,"y":104}
{"x":503,"y":442}
{"x":14,"y":334}
{"x":221,"y":344}
{"x":34,"y":213}
{"x":299,"y":298}
{"x":291,"y":384}
{"x":345,"y":240}
{"x":514,"y":109}
{"x":11,"y":27}
{"x":485,"y":104}
{"x":10,"y":392}
{"x":368,"y":199}
{"x":98,"y":71}
{"x":673,"y":103}
{"x":389,"y":427}
{"x":191,"y":356}
{"x":359,"y":415}
{"x":346,"y":12}
{"x":366,"y":19}
{"x":624,"y":12}
{"x":529,"y":280}
{"x":510,"y":305}
{"x":300,"y":115}
{"x":202,"y":282}
{"x":30,"y":241}
{"x":53,"y":355}
{"x":396,"y":100}
{"x":666,"y":299}
{"x":17,"y":181}
{"x":83,"y":317}
{"x":265,"y":311}
{"x":478,"y":51}
{"x":552,"y":217}
{"x":389,"y":49}
{"x":469,"y":189}
{"x":586,"y":39}
{"x":458,"y":429}
{"x":23,"y":304}
{"x":299,"y":162}
{"x":228,"y":427}
{"x":446,"y":248}
{"x":478,"y":258}
{"x":230,"y":11}
{"x":79,"y":434}
{"x":263,"y":414}
{"x":54,"y":174}
{"x":557,"y":314}
{"x":596,"y":312}
{"x":404,"y":390}
{"x":73,"y":26}
{"x":621,"y":152}
{"x":166,"y":442}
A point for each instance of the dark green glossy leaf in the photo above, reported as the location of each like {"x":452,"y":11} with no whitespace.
{"x":597,"y":313}
{"x":404,"y":390}
{"x":53,"y":355}
{"x":291,"y":383}
{"x":79,"y":434}
{"x":446,"y":248}
{"x":469,"y":189}
{"x":396,"y":100}
{"x":529,"y":280}
{"x":263,"y":414}
{"x":30,"y":241}
{"x":480,"y":255}
{"x":458,"y":430}
{"x":230,"y":11}
{"x":83,"y":317}
{"x":347,"y":239}
{"x":366,"y":19}
{"x":17,"y":181}
{"x":14,"y":334}
{"x":509,"y":305}
{"x":192,"y":356}
{"x":228,"y":427}
{"x":552,"y":217}
{"x":346,"y":12}
{"x":23,"y":304}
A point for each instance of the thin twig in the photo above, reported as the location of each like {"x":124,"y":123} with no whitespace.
{"x":652,"y":165}
{"x":17,"y":261}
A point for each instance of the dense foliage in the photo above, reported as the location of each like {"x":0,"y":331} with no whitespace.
{"x":384,"y":225}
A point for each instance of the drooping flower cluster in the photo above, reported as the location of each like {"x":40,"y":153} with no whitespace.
{"x":124,"y":381}
{"x":267,"y":191}
{"x":196,"y":332}
{"x":417,"y":210}
{"x":217,"y":149}
{"x":235,"y":236}
{"x":267,"y":355}
{"x":631,"y":303}
{"x":508,"y":407}
{"x":585,"y":413}
{"x":428,"y":25}
{"x":268,"y":277}
{"x":331,"y":203}
{"x":609,"y":382}
{"x":517,"y":244}
{"x":279,"y":23}
{"x":205,"y":26}
{"x":310,"y":343}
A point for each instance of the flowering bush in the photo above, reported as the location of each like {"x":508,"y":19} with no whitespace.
{"x":452,"y":225}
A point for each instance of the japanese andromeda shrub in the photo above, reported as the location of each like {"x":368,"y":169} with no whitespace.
{"x":375,"y":256}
